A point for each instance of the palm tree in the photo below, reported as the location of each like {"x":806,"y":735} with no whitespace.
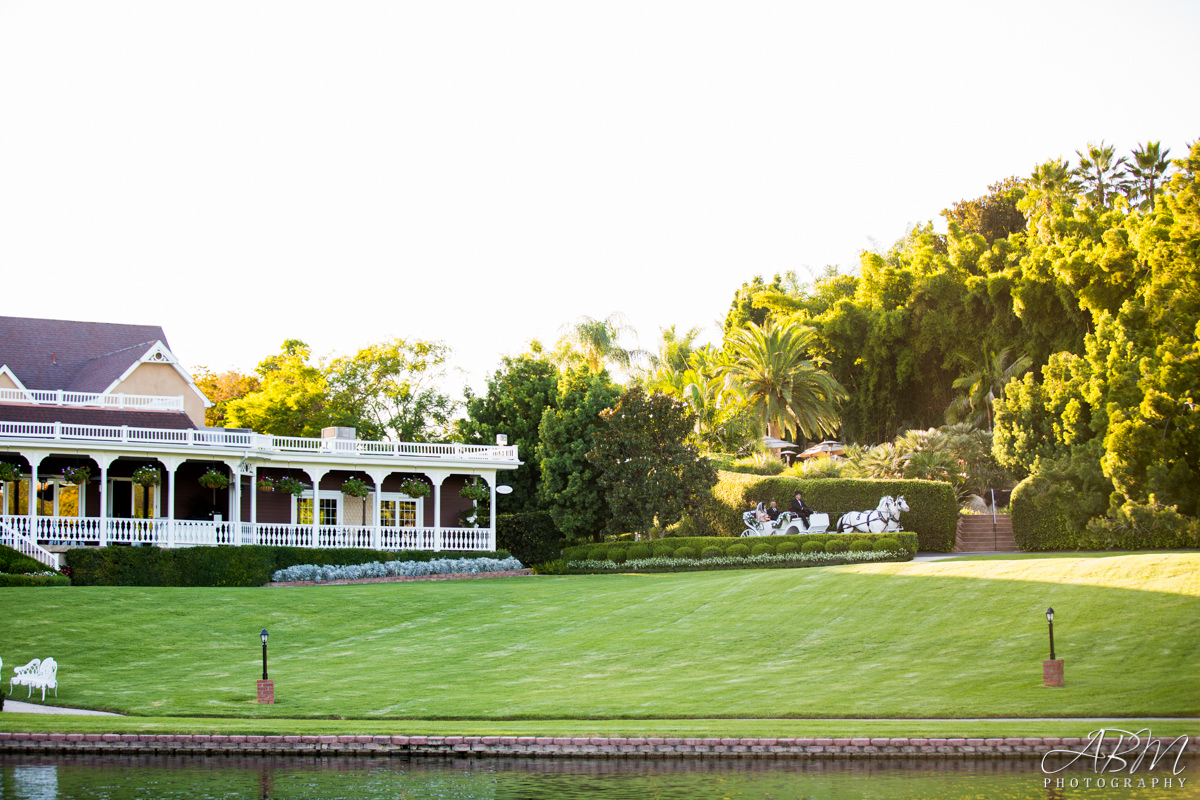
{"x":1148,"y":169}
{"x":1101,"y":172}
{"x":983,"y":384}
{"x":1054,"y":179}
{"x":787,"y":389}
{"x":594,"y":343}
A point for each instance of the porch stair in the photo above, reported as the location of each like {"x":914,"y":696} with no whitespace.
{"x":976,"y":534}
{"x":11,"y":537}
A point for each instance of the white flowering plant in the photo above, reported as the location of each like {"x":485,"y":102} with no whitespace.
{"x":394,"y":569}
{"x":670,"y":564}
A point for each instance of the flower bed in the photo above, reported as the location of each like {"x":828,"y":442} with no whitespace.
{"x":669,"y":564}
{"x":391,"y":569}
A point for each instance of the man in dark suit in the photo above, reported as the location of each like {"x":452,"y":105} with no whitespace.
{"x":800,"y":508}
{"x":773,"y":512}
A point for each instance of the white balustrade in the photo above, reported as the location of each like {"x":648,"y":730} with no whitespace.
{"x":17,"y":537}
{"x":58,"y":397}
{"x":187,"y":532}
{"x":138,"y":531}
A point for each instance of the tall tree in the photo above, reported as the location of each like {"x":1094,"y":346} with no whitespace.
{"x":293,"y":398}
{"x":993,"y":216}
{"x":651,"y":476}
{"x":1101,"y":173}
{"x":1148,"y":169}
{"x":788,"y":389}
{"x":569,"y":486}
{"x":596,"y":344}
{"x":983,"y":384}
{"x":221,"y":389}
{"x":517,"y":396}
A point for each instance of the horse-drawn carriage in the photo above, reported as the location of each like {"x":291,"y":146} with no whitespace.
{"x":885,"y":518}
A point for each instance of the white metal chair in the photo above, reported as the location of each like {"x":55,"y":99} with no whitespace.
{"x":21,"y":675}
{"x":45,"y":678}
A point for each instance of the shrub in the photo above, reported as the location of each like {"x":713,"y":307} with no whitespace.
{"x":617,"y":555}
{"x":52,"y":579}
{"x":1038,"y":520}
{"x":763,"y":549}
{"x":597,"y":554}
{"x":934,"y":514}
{"x":639,"y":551}
{"x":812,"y":547}
{"x":14,"y":562}
{"x":249,"y":565}
{"x":376,"y":569}
{"x":737,"y":551}
{"x":887,"y":543}
{"x":532,"y":538}
{"x":787,"y":547}
{"x":662,"y":551}
{"x":712,"y":552}
{"x":861,"y":546}
{"x":685,"y":552}
{"x":837,"y":546}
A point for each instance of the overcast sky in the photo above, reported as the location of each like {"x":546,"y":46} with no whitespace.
{"x":484,"y":172}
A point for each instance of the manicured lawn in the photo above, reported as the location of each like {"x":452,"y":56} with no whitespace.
{"x":941,"y":639}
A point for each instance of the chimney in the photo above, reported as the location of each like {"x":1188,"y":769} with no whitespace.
{"x":338,"y":433}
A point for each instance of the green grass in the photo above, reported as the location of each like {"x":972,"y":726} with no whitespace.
{"x":950,"y":639}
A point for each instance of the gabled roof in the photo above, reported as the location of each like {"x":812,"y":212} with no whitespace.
{"x":176,"y":420}
{"x":73,"y":356}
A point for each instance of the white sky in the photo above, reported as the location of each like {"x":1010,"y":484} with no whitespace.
{"x":484,"y":172}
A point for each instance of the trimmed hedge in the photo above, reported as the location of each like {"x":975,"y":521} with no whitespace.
{"x":34,"y":580}
{"x":14,"y":562}
{"x":249,"y":565}
{"x":702,"y":544}
{"x":532,"y":538}
{"x":934,"y":514}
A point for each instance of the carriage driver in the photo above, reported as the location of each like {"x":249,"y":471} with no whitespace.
{"x":800,"y":508}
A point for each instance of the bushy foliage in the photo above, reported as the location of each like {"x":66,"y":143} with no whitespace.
{"x":904,"y":541}
{"x":861,"y":547}
{"x":570,"y":486}
{"x":14,"y":562}
{"x":662,"y":551}
{"x":639,"y":551}
{"x":765,"y":561}
{"x":712,"y":552}
{"x":685,"y":552}
{"x":651,"y":475}
{"x":836,"y":546}
{"x":617,"y":554}
{"x":886,"y":543}
{"x":762,"y":548}
{"x":249,"y":565}
{"x":737,"y":551}
{"x":792,"y":547}
{"x":532,"y":537}
{"x":812,"y":547}
{"x":388,"y":569}
{"x":47,"y":578}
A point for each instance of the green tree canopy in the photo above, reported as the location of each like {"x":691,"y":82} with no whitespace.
{"x":650,"y":474}
{"x":569,"y":487}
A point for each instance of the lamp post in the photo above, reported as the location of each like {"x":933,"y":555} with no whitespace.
{"x":266,"y":687}
{"x":1049,"y":621}
{"x":264,"y":635}
{"x":1052,"y":669}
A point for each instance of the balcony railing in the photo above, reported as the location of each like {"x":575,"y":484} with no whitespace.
{"x":58,"y":397}
{"x":248,"y":441}
{"x":29,"y":533}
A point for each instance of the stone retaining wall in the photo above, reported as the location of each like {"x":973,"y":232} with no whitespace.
{"x":599,"y":747}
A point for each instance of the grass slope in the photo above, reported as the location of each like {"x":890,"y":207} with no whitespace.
{"x":940,"y":639}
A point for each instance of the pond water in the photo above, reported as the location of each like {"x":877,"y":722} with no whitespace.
{"x":196,"y":778}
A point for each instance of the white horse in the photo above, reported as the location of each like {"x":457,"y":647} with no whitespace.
{"x":885,"y":517}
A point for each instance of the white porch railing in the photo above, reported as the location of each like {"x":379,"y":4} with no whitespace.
{"x":89,"y":532}
{"x":25,"y":545}
{"x":58,"y":397}
{"x":242,"y":440}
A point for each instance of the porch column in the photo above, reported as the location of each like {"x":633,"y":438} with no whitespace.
{"x":254,"y":500}
{"x":436,"y":476}
{"x":171,"y":464}
{"x":491,"y":479}
{"x":377,"y":475}
{"x":234,"y":515}
{"x":315,"y":474}
{"x":104,"y":462}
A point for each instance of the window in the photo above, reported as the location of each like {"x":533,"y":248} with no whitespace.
{"x":304,"y":510}
{"x":402,"y":513}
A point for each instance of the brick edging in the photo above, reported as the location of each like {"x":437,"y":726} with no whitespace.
{"x":453,"y":576}
{"x":602,"y":747}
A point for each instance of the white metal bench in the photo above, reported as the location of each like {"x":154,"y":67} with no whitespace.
{"x":21,"y":675}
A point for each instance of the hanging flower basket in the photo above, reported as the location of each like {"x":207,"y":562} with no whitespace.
{"x":76,"y":475}
{"x":147,"y":476}
{"x":291,"y":486}
{"x":353,"y":487}
{"x":266,"y":485}
{"x":476,"y":491}
{"x":9,"y":472}
{"x":415,"y":487}
{"x":214,"y":479}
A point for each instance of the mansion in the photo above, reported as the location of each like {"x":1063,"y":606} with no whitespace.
{"x":103,"y":442}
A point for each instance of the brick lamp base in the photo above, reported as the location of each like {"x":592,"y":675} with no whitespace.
{"x":1052,"y":672}
{"x":266,"y":690}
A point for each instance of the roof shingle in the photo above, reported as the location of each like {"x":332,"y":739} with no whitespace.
{"x":73,"y":356}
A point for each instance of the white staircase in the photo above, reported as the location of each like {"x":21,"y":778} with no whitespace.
{"x":23,"y":544}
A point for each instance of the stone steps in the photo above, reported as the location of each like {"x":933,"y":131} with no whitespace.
{"x":977,"y":534}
